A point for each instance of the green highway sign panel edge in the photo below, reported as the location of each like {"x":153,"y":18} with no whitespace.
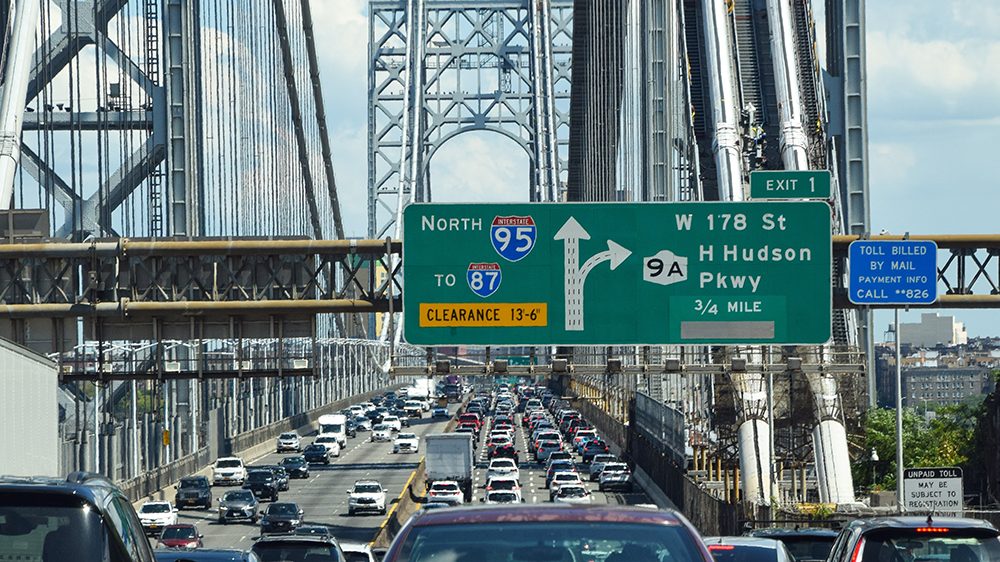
{"x":617,"y":273}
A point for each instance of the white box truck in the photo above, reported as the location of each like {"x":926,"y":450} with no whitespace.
{"x":449,"y":456}
{"x":333,"y":425}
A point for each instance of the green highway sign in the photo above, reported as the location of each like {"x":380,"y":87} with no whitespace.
{"x":617,"y":273}
{"x":810,"y":184}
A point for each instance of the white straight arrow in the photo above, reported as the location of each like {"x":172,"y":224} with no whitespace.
{"x":574,"y":275}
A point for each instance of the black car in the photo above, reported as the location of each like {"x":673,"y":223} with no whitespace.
{"x":194,"y":491}
{"x":505,"y":452}
{"x":280,"y":475}
{"x":296,"y":467}
{"x":316,"y":453}
{"x":263,"y":484}
{"x":298,"y":547}
{"x":280,"y":517}
{"x":404,"y":420}
{"x":803,"y":543}
{"x":73,"y":519}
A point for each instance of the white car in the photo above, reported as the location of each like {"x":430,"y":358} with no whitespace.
{"x":393,"y":422}
{"x":154,"y":516}
{"x":502,"y":467}
{"x":229,"y":470}
{"x":381,"y":432}
{"x":357,"y":551}
{"x":289,"y":442}
{"x":406,"y":443}
{"x":501,"y":497}
{"x":331,"y":443}
{"x":560,"y":478}
{"x":447,"y":491}
{"x":504,"y":484}
{"x":597,"y":465}
{"x":572,"y":493}
{"x":366,"y":495}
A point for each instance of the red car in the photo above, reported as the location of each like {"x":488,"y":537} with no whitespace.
{"x":564,"y":533}
{"x":471,"y":418}
{"x":180,"y":536}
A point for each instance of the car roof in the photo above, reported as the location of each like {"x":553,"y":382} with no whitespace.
{"x":200,"y":555}
{"x":915,"y":522}
{"x":758,"y":542}
{"x":355,"y":546}
{"x":302,"y":539}
{"x":91,"y":487}
{"x":529,"y":513}
{"x":779,"y":532}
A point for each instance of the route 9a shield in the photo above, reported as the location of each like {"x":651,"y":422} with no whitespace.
{"x":484,"y":278}
{"x":513,"y":237}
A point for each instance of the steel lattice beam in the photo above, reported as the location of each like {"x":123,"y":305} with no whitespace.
{"x":470,"y":68}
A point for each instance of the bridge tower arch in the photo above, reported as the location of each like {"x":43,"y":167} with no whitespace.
{"x":438,"y":68}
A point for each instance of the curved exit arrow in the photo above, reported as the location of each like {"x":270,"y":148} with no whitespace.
{"x":571,"y":233}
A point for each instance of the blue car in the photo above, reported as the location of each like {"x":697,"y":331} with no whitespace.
{"x":440,"y":413}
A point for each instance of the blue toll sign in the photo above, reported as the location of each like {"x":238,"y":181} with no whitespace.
{"x":890,"y":272}
{"x":513,"y":237}
{"x":484,"y":278}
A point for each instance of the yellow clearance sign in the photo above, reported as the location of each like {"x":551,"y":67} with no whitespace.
{"x":454,"y":315}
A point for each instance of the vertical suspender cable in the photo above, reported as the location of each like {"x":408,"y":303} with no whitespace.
{"x":14,"y":89}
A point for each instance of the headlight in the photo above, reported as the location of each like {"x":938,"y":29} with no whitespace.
{"x":296,"y":522}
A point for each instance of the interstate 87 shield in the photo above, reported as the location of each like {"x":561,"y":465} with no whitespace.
{"x":617,"y":273}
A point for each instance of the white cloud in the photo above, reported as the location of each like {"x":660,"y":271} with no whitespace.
{"x":480,"y":166}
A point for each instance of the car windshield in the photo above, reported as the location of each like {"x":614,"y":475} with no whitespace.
{"x":179,"y":533}
{"x":503,"y":497}
{"x":444,"y":487}
{"x":155,"y":508}
{"x":367,"y":488}
{"x":282,"y":509}
{"x":549,"y":541}
{"x":502,"y":463}
{"x":279,"y":551}
{"x":406,"y":436}
{"x":232,"y":463}
{"x":916,"y":545}
{"x":808,"y":547}
{"x":193,"y":483}
{"x":315,"y":447}
{"x":565,"y":477}
{"x":326,"y":440}
{"x":572,"y":492}
{"x":287,"y":436}
{"x":49,"y":527}
{"x":381,"y":427}
{"x":293,"y":461}
{"x":236,"y":496}
{"x":615,"y":467}
{"x":260,"y":476}
{"x":503,"y":484}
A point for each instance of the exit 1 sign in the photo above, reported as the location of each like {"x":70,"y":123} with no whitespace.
{"x":808,"y":184}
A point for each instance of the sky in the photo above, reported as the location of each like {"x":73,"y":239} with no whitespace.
{"x":933,"y":116}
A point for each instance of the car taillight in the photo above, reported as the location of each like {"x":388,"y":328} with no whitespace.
{"x":933,"y":529}
{"x":857,"y":550}
{"x":720,"y":547}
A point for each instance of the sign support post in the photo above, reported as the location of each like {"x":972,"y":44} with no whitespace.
{"x":899,"y":419}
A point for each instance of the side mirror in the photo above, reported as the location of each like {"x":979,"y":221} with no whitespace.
{"x":174,"y":510}
{"x":201,"y":536}
{"x":522,"y":500}
{"x":262,"y":512}
{"x":302,"y":512}
{"x":482,"y":499}
{"x":175,"y":486}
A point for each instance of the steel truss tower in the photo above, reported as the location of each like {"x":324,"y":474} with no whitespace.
{"x":467,"y":65}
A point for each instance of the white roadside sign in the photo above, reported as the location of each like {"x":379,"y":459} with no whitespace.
{"x":937,"y":490}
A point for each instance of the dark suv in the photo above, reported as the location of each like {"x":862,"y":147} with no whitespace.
{"x":84,"y":518}
{"x":194,"y":491}
{"x":916,"y":539}
{"x":298,"y":547}
{"x":263,"y":484}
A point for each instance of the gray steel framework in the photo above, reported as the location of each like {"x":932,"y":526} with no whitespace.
{"x":472,"y":65}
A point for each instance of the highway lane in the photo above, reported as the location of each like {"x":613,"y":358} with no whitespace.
{"x":323,"y":495}
{"x":533,"y":488}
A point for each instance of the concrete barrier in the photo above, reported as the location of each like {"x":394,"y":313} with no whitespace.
{"x":405,"y":505}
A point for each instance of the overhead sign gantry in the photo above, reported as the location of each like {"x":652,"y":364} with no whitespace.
{"x":617,"y":273}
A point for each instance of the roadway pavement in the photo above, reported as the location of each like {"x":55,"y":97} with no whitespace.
{"x":323,"y":496}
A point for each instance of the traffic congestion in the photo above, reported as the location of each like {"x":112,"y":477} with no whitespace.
{"x":508,"y":473}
